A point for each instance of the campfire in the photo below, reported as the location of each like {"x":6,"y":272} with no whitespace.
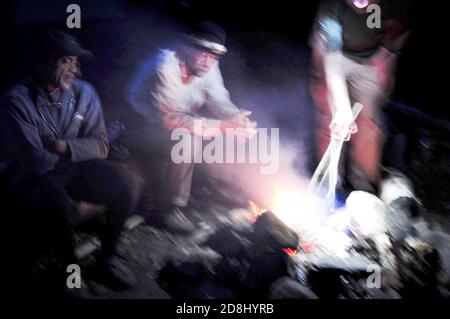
{"x":299,"y":248}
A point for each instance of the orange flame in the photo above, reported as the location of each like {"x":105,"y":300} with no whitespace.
{"x":289,"y":251}
{"x":257,"y":211}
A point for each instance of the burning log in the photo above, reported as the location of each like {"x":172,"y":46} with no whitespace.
{"x":270,"y":233}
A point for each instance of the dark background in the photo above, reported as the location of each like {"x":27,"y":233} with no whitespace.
{"x":266,"y":35}
{"x":265,"y":70}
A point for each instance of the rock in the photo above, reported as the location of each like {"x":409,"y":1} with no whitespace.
{"x":357,"y":265}
{"x":241,"y":219}
{"x":202,"y":234}
{"x":288,"y":288}
{"x":262,"y":271}
{"x":441,"y":242}
{"x":326,"y":276}
{"x":368,"y":214}
{"x":133,"y":221}
{"x":406,"y":205}
{"x":181,"y":275}
{"x":87,"y":248}
{"x":380,"y":293}
{"x":398,"y":225}
{"x":418,"y":267}
{"x":228,"y":242}
{"x":395,"y":186}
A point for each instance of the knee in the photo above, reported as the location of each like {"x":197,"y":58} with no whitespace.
{"x":126,"y":190}
{"x":51,"y":197}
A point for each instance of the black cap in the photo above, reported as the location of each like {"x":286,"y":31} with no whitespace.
{"x":56,"y":44}
{"x":210,"y":31}
{"x":210,"y":36}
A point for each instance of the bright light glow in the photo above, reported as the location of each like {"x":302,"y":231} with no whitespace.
{"x":299,"y":210}
{"x":360,"y":4}
{"x":308,"y":215}
{"x":367,"y":213}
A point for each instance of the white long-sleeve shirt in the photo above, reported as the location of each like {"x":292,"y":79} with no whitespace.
{"x":158,"y":92}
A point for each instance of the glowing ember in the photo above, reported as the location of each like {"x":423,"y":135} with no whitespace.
{"x":290,"y":251}
{"x":258,"y":211}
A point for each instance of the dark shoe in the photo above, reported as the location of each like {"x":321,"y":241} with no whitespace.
{"x":113,"y":275}
{"x":177,"y":221}
{"x":172,"y":219}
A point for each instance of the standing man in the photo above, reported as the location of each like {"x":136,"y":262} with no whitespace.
{"x":354,"y":60}
{"x":55,"y":134}
{"x":171,"y":91}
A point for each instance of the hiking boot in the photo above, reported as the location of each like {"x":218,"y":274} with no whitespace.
{"x":177,"y":221}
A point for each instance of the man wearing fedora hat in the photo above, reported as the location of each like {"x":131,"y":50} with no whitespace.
{"x":171,"y":91}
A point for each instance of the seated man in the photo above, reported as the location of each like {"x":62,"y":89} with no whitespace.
{"x":171,"y":90}
{"x":55,"y":134}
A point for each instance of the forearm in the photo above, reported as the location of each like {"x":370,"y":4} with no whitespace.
{"x":195,"y":125}
{"x":336,"y":82}
{"x":81,"y":149}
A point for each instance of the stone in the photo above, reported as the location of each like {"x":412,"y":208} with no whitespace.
{"x":288,"y":288}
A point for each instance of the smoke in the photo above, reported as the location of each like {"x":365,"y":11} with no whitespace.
{"x":264,"y":73}
{"x":267,"y":74}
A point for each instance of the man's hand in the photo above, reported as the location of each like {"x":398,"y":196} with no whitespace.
{"x":245,"y":129}
{"x":241,"y":119}
{"x":342,"y":125}
{"x":55,"y":145}
{"x":60,"y":147}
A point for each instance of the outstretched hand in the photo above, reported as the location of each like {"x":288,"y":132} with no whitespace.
{"x":245,"y":128}
{"x":241,"y":119}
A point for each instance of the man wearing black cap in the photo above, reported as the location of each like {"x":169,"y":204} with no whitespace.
{"x":170,"y":91}
{"x":55,"y":134}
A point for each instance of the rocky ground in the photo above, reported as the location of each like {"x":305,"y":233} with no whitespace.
{"x":146,"y":249}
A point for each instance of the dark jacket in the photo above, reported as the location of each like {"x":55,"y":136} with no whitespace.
{"x":30,"y":119}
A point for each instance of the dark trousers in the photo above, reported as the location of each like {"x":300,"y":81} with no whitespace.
{"x":49,"y":203}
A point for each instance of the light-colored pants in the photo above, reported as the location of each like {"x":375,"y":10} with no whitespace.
{"x":168,"y":183}
{"x":363,"y":165}
{"x":177,"y":178}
